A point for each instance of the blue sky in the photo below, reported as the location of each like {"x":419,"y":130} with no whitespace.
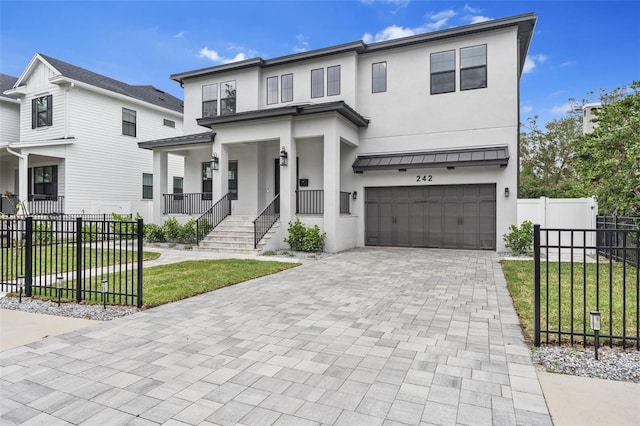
{"x":578,"y":46}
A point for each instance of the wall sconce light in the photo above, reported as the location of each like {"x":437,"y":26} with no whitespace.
{"x":506,"y":192}
{"x":354,"y":195}
{"x":215,"y":162}
{"x":594,"y":319}
{"x":284,"y":160}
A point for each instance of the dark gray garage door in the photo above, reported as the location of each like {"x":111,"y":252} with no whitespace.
{"x":447,"y":216}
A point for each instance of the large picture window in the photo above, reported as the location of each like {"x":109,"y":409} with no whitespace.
{"x":128,"y":122}
{"x":379,"y":77}
{"x":333,"y":80}
{"x":317,"y":83}
{"x":42,"y":111}
{"x":147,"y":186}
{"x":443,"y":72}
{"x":228,"y":97}
{"x":287,"y":88}
{"x":272,"y":90}
{"x":210,"y":100}
{"x":473,"y":67}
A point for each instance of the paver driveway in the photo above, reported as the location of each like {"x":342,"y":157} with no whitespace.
{"x":368,"y":336}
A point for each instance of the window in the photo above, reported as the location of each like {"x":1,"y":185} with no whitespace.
{"x":228,"y":98}
{"x":168,"y":123}
{"x":333,"y":80}
{"x":128,"y":122}
{"x":443,"y":72}
{"x":41,"y":111}
{"x":272,"y":90}
{"x":379,"y":77}
{"x":473,"y":67}
{"x":287,"y":88}
{"x":207,"y":187}
{"x":177,"y":185}
{"x":233,"y":179}
{"x":147,"y":186}
{"x":317,"y":83}
{"x":210,"y":100}
{"x":43,"y":181}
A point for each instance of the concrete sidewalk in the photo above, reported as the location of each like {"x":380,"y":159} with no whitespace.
{"x":364,"y":337}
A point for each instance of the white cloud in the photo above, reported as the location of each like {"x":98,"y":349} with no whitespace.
{"x":477,"y":18}
{"x":568,"y":64}
{"x":302,"y":45}
{"x":439,"y":20}
{"x":562,"y":109}
{"x":179,"y":35}
{"x":212,"y":55}
{"x":389,"y":33}
{"x":525,"y":109}
{"x":470,"y":9}
{"x":531,"y":62}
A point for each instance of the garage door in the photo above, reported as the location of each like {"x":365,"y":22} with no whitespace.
{"x":447,"y":216}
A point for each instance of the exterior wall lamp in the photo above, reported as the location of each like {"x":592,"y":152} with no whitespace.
{"x":506,"y":192}
{"x":215,"y":162}
{"x":284,"y":157}
{"x":594,"y":319}
{"x":354,"y":195}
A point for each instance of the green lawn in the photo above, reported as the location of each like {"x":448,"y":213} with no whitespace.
{"x":561,"y":304}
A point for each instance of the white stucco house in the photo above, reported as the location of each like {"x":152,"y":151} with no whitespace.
{"x":73,"y":148}
{"x":409,"y":142}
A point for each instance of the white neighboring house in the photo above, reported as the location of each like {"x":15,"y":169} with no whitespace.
{"x":411,"y":142}
{"x":9,"y":131}
{"x":589,"y":112}
{"x":76,"y":150}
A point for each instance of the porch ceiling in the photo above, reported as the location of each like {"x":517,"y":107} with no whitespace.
{"x":481,"y":156}
{"x":198,"y":138}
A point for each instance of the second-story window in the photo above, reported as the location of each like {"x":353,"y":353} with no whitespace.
{"x":168,"y":123}
{"x":379,"y":77}
{"x":287,"y":88}
{"x":210,"y":100}
{"x":272,"y":90}
{"x":317,"y":83}
{"x":473,"y":67}
{"x":333,"y":80}
{"x":128,"y":122}
{"x":228,"y":97}
{"x":42,"y":111}
{"x":443,"y":72}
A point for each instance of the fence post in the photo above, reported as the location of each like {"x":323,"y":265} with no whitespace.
{"x":28,"y":256}
{"x":79,"y":265}
{"x":536,"y":285}
{"x":140,"y":260}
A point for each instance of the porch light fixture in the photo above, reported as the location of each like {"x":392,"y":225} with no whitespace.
{"x":506,"y":192}
{"x":594,"y":319}
{"x":215,"y":162}
{"x":284,"y":157}
{"x":354,"y":195}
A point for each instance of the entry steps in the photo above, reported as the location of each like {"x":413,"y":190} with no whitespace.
{"x":234,"y":235}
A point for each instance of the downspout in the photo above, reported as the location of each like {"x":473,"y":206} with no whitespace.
{"x":23,"y":163}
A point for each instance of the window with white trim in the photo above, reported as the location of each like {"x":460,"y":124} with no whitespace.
{"x":42,"y":111}
{"x":128,"y":122}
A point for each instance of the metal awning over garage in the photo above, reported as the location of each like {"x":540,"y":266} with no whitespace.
{"x":483,"y":156}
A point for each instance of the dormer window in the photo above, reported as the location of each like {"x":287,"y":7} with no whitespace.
{"x":42,"y":111}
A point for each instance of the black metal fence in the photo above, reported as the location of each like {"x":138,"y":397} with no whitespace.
{"x":618,"y":239}
{"x":187,"y":203}
{"x":310,"y":201}
{"x":90,"y":261}
{"x":572,"y":280}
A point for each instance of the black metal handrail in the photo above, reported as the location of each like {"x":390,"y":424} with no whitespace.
{"x":265,"y":220}
{"x":187,"y":203}
{"x":46,"y":204}
{"x":212,"y":217}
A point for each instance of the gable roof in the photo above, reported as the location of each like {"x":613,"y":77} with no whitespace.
{"x":524,"y":23}
{"x":145,"y":93}
{"x":6,"y":83}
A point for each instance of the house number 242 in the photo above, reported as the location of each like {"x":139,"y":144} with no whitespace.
{"x":424,"y":178}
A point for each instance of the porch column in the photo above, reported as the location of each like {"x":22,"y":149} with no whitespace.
{"x":23,"y":178}
{"x":288,"y":178}
{"x":220,"y":177}
{"x":331,"y":186}
{"x":160,"y":166}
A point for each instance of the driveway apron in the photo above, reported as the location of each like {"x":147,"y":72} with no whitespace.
{"x":365,"y":337}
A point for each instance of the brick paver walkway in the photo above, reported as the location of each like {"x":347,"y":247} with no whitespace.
{"x":364,"y":337}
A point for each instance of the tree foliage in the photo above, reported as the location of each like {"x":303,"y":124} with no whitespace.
{"x":608,"y":159}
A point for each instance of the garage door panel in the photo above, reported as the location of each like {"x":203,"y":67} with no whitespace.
{"x":448,"y":216}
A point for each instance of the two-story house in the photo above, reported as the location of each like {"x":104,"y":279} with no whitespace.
{"x":9,"y":131}
{"x":76,"y":150}
{"x":409,"y":142}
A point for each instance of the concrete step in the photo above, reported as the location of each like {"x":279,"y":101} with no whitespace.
{"x":235,"y":235}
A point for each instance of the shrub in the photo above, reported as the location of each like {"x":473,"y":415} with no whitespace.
{"x":302,"y":238}
{"x":172,"y":229}
{"x":520,"y":240}
{"x":125,"y":227}
{"x":153,"y":233}
{"x":188,"y":232}
{"x":42,"y":233}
